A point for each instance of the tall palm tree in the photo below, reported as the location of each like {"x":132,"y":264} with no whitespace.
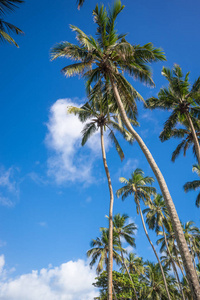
{"x":183,"y":101}
{"x":138,"y":185}
{"x":134,"y":264}
{"x":126,"y":231}
{"x":194,"y":185}
{"x":99,"y":251}
{"x":156,"y":217}
{"x":99,"y":115}
{"x":6,"y":28}
{"x":108,"y":57}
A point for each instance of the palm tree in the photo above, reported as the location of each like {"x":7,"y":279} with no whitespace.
{"x":98,"y":113}
{"x":137,"y":185}
{"x":183,"y":101}
{"x":126,"y":231}
{"x":99,"y":251}
{"x":192,"y":236}
{"x":194,"y":185}
{"x":154,"y":281}
{"x":156,"y":215}
{"x":134,"y":264}
{"x":107,"y":58}
{"x":5,"y":27}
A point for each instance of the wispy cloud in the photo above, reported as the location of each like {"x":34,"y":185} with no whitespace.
{"x":69,"y":281}
{"x":9,"y":186}
{"x":66,"y":162}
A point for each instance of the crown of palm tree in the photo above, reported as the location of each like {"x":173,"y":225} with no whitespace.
{"x":178,"y":97}
{"x":6,"y":28}
{"x":108,"y":55}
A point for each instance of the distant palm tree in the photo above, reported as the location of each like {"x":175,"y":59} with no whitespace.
{"x":155,"y":286}
{"x":157,"y":215}
{"x":134,"y":264}
{"x":137,"y":185}
{"x":194,"y":185}
{"x":183,"y":101}
{"x":126,"y":231}
{"x":99,"y":251}
{"x":6,"y":28}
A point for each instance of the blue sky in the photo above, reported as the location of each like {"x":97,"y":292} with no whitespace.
{"x":53,"y":193}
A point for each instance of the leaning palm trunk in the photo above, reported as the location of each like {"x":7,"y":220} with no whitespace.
{"x":124,"y":263}
{"x":184,"y":251}
{"x":110,"y":242}
{"x":154,"y":250}
{"x":195,"y":139}
{"x":173,"y":264}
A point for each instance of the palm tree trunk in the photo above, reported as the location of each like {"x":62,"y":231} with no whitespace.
{"x":194,"y":135}
{"x":185,"y":254}
{"x":173,"y":264}
{"x":110,"y":242}
{"x":124,"y":263}
{"x":154,"y":250}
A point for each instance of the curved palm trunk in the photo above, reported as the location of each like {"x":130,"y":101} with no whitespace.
{"x":184,"y":251}
{"x":124,"y":263}
{"x":110,"y":242}
{"x":154,"y":250}
{"x":194,"y":135}
{"x":173,"y":264}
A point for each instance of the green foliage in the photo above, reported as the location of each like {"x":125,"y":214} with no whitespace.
{"x":194,"y":185}
{"x":122,"y":285}
{"x":6,"y":28}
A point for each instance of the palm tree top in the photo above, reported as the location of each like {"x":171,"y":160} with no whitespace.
{"x":108,"y":53}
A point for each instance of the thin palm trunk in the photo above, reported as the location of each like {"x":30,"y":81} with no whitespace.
{"x":110,"y":242}
{"x":194,"y":135}
{"x":154,"y":250}
{"x":173,"y":264}
{"x":124,"y":263}
{"x":185,"y":254}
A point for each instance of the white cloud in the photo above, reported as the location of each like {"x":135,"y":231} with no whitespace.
{"x":66,"y":161}
{"x":9,"y":187}
{"x":69,"y":281}
{"x":128,"y":168}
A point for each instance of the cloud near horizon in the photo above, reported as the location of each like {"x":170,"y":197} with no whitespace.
{"x":70,"y":281}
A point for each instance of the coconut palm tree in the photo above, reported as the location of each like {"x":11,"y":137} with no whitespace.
{"x":99,"y":251}
{"x":156,"y":215}
{"x":126,"y":231}
{"x":194,"y":185}
{"x":138,"y":185}
{"x":99,"y":114}
{"x":155,"y":286}
{"x":134,"y":264}
{"x":6,"y":28}
{"x":183,"y":101}
{"x":108,"y":57}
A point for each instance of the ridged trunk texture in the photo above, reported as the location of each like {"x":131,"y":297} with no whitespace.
{"x":182,"y":245}
{"x":110,"y":242}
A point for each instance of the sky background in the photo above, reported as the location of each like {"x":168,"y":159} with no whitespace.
{"x":53,"y":193}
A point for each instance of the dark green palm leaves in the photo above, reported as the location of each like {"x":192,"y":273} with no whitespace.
{"x":6,"y":28}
